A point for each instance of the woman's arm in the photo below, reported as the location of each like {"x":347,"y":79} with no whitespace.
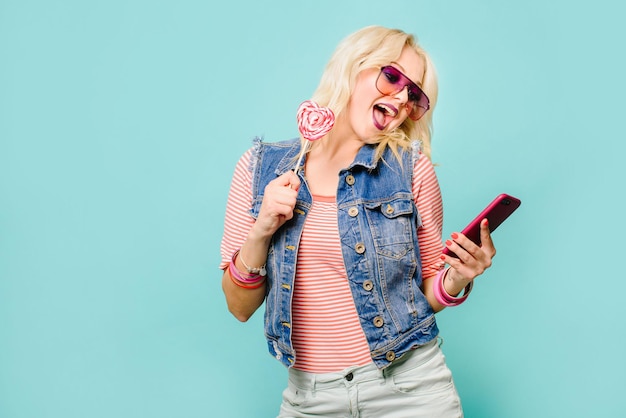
{"x":473,"y":260}
{"x":249,"y":237}
{"x":242,"y":302}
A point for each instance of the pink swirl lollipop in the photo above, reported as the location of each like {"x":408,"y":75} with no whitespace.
{"x":314,"y":122}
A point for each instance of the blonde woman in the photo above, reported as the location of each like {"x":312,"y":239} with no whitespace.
{"x":346,"y":250}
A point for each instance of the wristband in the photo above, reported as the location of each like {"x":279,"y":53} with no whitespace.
{"x":252,"y":276}
{"x":261,"y":271}
{"x":235,"y":277}
{"x":442,"y":296}
{"x":243,"y":278}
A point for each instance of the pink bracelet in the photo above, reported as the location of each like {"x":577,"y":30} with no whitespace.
{"x":245,"y":278}
{"x":440,"y":292}
{"x":241,"y":284}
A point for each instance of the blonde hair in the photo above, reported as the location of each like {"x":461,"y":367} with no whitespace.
{"x":375,"y":47}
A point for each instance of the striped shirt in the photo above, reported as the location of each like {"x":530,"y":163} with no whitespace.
{"x":326,"y":333}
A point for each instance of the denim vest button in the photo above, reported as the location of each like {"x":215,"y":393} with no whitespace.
{"x":368,"y":285}
{"x":359,"y":248}
{"x":353,"y":211}
{"x":350,"y":179}
{"x":391,"y":356}
{"x":389,"y":209}
{"x":378,"y":322}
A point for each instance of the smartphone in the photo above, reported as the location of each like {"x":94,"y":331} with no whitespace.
{"x":496,"y":212}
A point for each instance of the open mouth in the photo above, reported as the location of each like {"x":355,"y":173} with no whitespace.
{"x":383,"y":114}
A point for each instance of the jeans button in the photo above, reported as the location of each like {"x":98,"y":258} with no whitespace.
{"x":349,"y":377}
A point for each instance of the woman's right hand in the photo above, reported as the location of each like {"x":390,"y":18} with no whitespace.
{"x":279,"y":201}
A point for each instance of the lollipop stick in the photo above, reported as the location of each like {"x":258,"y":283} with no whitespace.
{"x":306,"y":145}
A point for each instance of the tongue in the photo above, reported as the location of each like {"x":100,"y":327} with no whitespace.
{"x":379,"y":119}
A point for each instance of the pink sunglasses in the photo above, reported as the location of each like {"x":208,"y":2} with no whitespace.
{"x":390,"y":81}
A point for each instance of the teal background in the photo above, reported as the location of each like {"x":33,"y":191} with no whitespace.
{"x":121,"y":123}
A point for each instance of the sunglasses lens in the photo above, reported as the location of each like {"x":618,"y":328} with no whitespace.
{"x":419,"y":105}
{"x":391,"y":80}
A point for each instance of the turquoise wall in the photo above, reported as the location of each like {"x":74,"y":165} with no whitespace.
{"x":121,"y":122}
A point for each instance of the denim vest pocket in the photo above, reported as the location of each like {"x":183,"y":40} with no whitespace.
{"x":390,"y":222}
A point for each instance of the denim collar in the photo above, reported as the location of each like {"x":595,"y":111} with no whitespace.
{"x":364,"y":158}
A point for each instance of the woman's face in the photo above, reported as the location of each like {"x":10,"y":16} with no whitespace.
{"x":371,"y":112}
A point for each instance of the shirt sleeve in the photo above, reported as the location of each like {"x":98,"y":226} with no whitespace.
{"x":427,"y":196}
{"x":237,"y":221}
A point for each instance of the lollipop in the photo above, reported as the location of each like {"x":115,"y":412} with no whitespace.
{"x":313,"y":123}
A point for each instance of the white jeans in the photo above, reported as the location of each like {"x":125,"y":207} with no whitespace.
{"x":418,"y":385}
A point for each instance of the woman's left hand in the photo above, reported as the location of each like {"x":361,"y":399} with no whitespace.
{"x":472,"y":259}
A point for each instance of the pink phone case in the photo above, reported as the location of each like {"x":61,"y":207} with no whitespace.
{"x":496,"y":212}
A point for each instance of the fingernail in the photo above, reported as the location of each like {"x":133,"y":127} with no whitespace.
{"x":448,"y":243}
{"x":454,"y":235}
{"x":443,"y":257}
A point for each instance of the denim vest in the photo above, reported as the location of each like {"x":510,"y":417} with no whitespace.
{"x":378,"y":222}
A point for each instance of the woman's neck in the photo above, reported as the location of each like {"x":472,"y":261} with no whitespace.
{"x":326,"y":159}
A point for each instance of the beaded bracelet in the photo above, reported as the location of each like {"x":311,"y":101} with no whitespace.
{"x":245,"y":280}
{"x":254,"y":270}
{"x":442,"y":296}
{"x":244,"y":277}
